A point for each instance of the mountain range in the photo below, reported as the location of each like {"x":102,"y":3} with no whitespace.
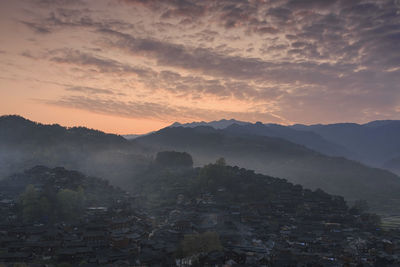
{"x":281,"y":158}
{"x":375,"y":143}
{"x":297,"y":153}
{"x":25,"y":144}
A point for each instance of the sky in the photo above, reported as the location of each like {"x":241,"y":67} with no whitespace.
{"x":134,"y":66}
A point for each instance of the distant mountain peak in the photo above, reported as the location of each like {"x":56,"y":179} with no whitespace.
{"x":381,"y":123}
{"x":176,"y":124}
{"x":14,"y":118}
{"x":220,"y":124}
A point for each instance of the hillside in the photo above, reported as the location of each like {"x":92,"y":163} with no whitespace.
{"x":393,"y":164}
{"x":18,"y":131}
{"x":51,"y":181}
{"x":306,"y":138}
{"x":24,"y":144}
{"x":221,"y":124}
{"x":214,"y":214}
{"x":280,"y":158}
{"x":162,"y":183}
{"x":373,"y":143}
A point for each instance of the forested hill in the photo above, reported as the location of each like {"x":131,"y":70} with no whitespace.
{"x":375,"y":143}
{"x":280,"y":158}
{"x":24,"y":144}
{"x":308,"y":139}
{"x":207,"y":214}
{"x":55,"y":194}
{"x":165,"y":180}
{"x":302,"y":137}
{"x":18,"y":131}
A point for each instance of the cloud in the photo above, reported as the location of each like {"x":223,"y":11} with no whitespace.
{"x":172,"y":8}
{"x":211,"y":63}
{"x":171,"y":81}
{"x":339,"y":28}
{"x":47,"y":3}
{"x":90,"y":90}
{"x":75,"y":18}
{"x":28,"y":54}
{"x":130,"y":109}
{"x":159,"y":111}
{"x":302,"y":55}
{"x":347,"y":30}
{"x":311,"y":4}
{"x":61,"y":16}
{"x":222,"y":88}
{"x":36,"y":27}
{"x":102,"y":64}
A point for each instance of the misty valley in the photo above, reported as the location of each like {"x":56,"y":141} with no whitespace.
{"x":190,"y":133}
{"x":223,"y":193}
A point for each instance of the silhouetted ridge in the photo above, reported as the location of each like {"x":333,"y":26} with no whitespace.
{"x":19,"y":130}
{"x":308,"y":139}
{"x":24,"y":144}
{"x":374,"y":143}
{"x":221,"y":124}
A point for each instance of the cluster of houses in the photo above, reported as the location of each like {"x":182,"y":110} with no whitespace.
{"x":296,"y":228}
{"x":104,"y":236}
{"x":274,"y":233}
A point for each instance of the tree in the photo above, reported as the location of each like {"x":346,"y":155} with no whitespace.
{"x":34,"y":205}
{"x":212,"y":176}
{"x":28,"y":200}
{"x":359,"y":207}
{"x":70,"y":203}
{"x":173,"y":159}
{"x":64,"y":264}
{"x":375,"y":220}
{"x":200,"y":243}
{"x":221,"y":162}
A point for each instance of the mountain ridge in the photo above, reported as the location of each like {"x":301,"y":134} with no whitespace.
{"x":281,"y":158}
{"x":27,"y":144}
{"x":374,"y":143}
{"x":24,"y":144}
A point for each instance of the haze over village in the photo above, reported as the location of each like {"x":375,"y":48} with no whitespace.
{"x":199,"y":133}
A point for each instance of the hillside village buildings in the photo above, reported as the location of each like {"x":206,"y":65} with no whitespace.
{"x":263,"y":233}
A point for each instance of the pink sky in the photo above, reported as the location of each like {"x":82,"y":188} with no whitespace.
{"x":135,"y":66}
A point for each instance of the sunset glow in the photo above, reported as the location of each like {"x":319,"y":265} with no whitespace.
{"x":136,"y":66}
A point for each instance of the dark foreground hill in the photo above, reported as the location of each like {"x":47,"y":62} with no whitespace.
{"x":280,"y":158}
{"x":43,"y":194}
{"x":213,"y":215}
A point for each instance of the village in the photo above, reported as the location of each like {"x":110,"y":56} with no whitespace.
{"x":300,"y":227}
